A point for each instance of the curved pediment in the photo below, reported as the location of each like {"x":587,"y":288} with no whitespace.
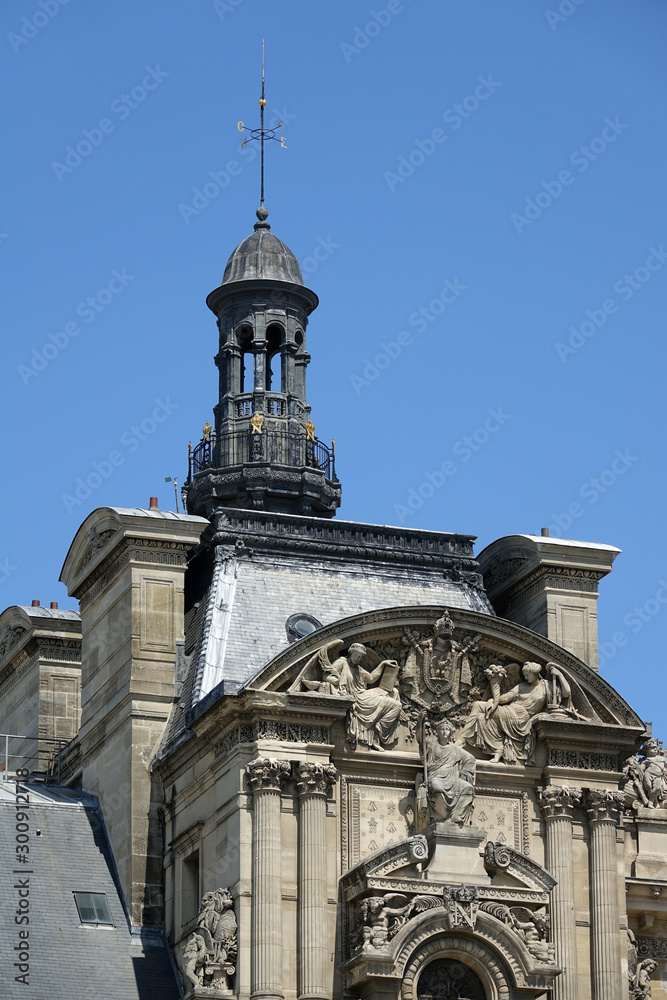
{"x":447,"y":661}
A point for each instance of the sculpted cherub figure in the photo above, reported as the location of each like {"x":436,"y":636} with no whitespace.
{"x":646,"y":778}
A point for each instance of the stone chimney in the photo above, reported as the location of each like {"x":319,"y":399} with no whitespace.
{"x":549,"y":585}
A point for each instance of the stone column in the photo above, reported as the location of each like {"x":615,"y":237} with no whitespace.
{"x":557,"y":803}
{"x":604,"y":810}
{"x":312,"y":783}
{"x":265,"y":778}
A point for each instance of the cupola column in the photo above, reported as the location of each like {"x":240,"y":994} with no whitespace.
{"x":265,"y":778}
{"x":289,"y":362}
{"x":558,"y":803}
{"x":604,"y":811}
{"x":312,"y":782}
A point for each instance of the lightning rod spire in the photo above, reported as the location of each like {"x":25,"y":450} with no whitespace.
{"x":262,"y":134}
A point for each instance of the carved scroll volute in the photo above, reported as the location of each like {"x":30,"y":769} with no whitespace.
{"x":314,"y":778}
{"x":267,"y":774}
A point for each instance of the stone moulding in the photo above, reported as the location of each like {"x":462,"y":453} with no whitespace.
{"x":411,"y":851}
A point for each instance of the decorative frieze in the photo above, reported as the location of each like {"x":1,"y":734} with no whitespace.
{"x":583,"y":760}
{"x":649,"y":947}
{"x":271,"y":729}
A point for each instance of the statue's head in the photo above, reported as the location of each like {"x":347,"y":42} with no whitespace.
{"x":208,"y":900}
{"x":356,"y":652}
{"x":531,"y":671}
{"x":652,"y":748}
{"x":443,"y":729}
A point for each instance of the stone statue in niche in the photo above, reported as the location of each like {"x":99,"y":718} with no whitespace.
{"x":532,"y":926}
{"x":381,"y":917}
{"x":646,"y":777}
{"x":372,"y":683}
{"x":502,"y":725}
{"x":447,"y":791}
{"x":209,"y":957}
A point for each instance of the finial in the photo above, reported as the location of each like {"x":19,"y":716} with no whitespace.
{"x":262,"y":134}
{"x":262,"y":214}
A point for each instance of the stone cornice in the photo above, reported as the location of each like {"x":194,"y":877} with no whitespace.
{"x":130,"y":549}
{"x":40,"y":645}
{"x":582,"y":735}
{"x":108,"y":534}
{"x":212,"y":719}
{"x":348,"y":541}
{"x":556,"y":578}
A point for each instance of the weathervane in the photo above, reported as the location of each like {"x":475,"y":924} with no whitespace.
{"x":262,"y":134}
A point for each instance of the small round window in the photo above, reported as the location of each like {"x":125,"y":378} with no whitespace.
{"x":298,"y":626}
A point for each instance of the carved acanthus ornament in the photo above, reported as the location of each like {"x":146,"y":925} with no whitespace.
{"x":209,"y":956}
{"x":559,"y":800}
{"x":603,"y":805}
{"x":314,"y":778}
{"x":267,"y":774}
{"x":646,"y":777}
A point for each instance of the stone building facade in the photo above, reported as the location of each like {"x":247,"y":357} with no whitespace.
{"x":326,"y":759}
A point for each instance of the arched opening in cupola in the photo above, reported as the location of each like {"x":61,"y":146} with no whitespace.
{"x":275,"y":362}
{"x":246,"y":375}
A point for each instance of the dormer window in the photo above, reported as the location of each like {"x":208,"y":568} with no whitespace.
{"x":93,"y":908}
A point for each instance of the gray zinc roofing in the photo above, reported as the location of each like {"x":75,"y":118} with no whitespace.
{"x":69,"y":961}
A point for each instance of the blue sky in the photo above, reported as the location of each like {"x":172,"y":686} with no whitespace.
{"x":476,"y":191}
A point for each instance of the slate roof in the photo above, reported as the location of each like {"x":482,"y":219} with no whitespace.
{"x":69,"y":961}
{"x":262,"y":256}
{"x":236,"y":606}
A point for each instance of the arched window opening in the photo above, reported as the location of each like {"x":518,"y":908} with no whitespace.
{"x":246,"y":380}
{"x":298,"y":339}
{"x":447,"y":979}
{"x":274,"y":340}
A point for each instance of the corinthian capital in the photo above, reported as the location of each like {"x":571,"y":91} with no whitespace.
{"x":603,"y":805}
{"x":558,"y":800}
{"x":267,"y":774}
{"x":314,"y":779}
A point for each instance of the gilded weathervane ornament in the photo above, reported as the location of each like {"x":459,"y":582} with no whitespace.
{"x":262,"y":134}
